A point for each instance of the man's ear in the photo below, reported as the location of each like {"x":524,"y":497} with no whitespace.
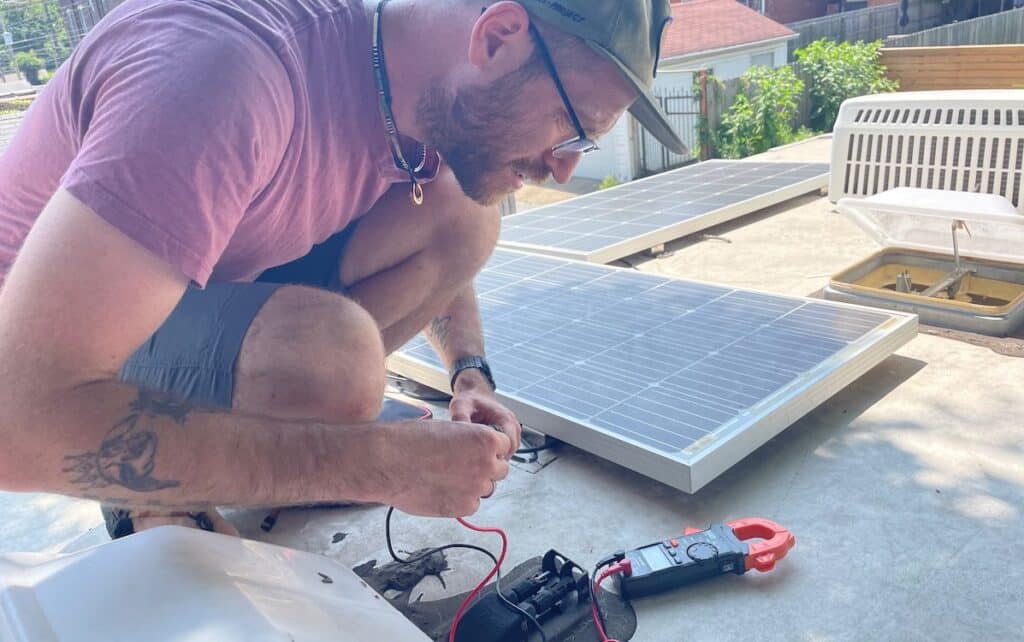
{"x":500,"y":41}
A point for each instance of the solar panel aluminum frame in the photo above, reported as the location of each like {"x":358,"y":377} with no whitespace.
{"x":686,"y":227}
{"x":694,"y":467}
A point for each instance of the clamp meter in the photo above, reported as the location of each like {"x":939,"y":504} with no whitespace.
{"x":699,"y":554}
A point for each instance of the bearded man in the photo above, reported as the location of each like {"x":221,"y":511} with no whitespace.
{"x":220,"y":216}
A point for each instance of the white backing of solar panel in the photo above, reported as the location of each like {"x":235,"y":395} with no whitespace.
{"x":675,"y":379}
{"x":610,"y":224}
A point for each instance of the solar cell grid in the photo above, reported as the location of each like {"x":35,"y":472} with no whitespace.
{"x":610,"y":224}
{"x":649,"y":362}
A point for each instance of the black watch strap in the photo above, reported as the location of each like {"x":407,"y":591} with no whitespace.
{"x":465,"y":363}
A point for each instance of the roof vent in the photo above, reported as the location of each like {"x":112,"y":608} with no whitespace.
{"x":967,"y":141}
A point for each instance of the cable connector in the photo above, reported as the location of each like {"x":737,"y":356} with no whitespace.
{"x":617,"y":556}
{"x":625,"y":567}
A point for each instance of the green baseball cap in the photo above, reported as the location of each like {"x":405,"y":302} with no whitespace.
{"x":628,"y":33}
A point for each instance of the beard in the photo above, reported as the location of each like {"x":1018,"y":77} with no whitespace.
{"x":474,"y":129}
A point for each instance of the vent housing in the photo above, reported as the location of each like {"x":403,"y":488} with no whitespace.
{"x":967,"y":141}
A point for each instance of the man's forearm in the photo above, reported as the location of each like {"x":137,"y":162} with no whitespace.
{"x":457,"y":331}
{"x":115,"y":443}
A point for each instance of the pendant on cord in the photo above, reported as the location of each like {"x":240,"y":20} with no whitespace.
{"x":416,"y":194}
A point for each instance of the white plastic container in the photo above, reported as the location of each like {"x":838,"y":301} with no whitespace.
{"x":173,"y":584}
{"x":964,"y":140}
{"x":915,"y":229}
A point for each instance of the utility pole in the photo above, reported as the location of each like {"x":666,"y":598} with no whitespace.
{"x":53,"y":33}
{"x":8,"y":39}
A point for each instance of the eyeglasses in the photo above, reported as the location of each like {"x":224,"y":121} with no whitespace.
{"x":581,"y":144}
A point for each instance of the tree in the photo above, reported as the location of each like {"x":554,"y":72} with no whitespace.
{"x":35,"y":25}
{"x":29,"y":64}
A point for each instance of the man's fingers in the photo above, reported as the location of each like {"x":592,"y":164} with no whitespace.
{"x":506,"y":444}
{"x":487,"y":489}
{"x":460,"y":410}
{"x":509,"y":427}
{"x":468,"y":508}
{"x":501,"y":471}
{"x":514,"y":432}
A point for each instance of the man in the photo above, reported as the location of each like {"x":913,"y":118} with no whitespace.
{"x":187,"y":148}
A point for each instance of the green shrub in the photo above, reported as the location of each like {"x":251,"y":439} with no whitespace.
{"x":840,"y":70}
{"x":608,"y":181}
{"x":803,"y":133}
{"x":29,"y":64}
{"x":761,"y":115}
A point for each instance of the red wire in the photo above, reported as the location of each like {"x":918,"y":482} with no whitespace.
{"x":479,"y":587}
{"x":618,"y":568}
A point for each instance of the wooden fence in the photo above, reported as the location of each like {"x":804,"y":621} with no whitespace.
{"x":965,"y":67}
{"x":864,"y":24}
{"x":997,"y":29}
{"x":873,"y":23}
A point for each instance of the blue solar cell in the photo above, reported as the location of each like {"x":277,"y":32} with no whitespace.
{"x":656,"y":361}
{"x":592,"y":224}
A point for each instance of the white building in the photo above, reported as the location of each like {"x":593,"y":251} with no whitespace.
{"x":723,"y":37}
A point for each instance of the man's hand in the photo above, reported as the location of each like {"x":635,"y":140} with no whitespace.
{"x":440,"y":468}
{"x":473,"y":400}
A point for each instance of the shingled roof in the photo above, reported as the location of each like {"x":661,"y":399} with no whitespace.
{"x":706,"y":25}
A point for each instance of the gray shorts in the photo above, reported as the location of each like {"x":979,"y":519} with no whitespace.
{"x":193,"y":354}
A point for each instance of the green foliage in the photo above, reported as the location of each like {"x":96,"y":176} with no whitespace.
{"x":14,"y":106}
{"x":609,"y":181}
{"x":29,"y":64}
{"x":35,"y":26}
{"x":761,"y":115}
{"x":841,"y":70}
{"x":803,"y":133}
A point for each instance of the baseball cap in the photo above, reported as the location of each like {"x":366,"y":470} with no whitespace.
{"x":628,"y":33}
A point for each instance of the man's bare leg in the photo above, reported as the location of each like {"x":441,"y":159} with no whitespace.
{"x":403,"y":265}
{"x":406,"y":263}
{"x":312,"y":354}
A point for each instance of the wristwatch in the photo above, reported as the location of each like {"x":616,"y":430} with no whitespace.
{"x":466,"y":363}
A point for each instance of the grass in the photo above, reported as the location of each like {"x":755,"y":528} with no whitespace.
{"x":15,"y":106}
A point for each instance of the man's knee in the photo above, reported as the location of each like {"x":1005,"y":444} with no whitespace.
{"x":311,"y":354}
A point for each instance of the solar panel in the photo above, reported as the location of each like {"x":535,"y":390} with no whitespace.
{"x":609,"y":224}
{"x":675,"y":379}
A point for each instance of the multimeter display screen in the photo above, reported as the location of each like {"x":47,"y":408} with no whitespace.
{"x":655,"y":558}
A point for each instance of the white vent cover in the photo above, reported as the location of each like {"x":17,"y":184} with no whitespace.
{"x":968,"y":141}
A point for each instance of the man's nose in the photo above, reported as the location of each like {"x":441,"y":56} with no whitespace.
{"x":562,"y":168}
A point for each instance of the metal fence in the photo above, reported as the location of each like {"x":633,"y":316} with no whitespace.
{"x":82,"y":15}
{"x":8,"y":125}
{"x":683,"y":109}
{"x":1004,"y":28}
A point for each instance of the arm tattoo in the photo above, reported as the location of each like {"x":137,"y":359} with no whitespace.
{"x":439,"y":328}
{"x":127,"y":455}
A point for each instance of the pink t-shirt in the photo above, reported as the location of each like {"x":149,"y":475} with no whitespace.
{"x":225,"y":136}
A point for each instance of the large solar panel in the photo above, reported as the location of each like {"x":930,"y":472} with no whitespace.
{"x":609,"y":224}
{"x":675,"y":379}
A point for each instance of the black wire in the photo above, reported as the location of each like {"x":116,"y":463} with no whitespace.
{"x":546,"y":444}
{"x":497,"y":575}
{"x":534,"y":449}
